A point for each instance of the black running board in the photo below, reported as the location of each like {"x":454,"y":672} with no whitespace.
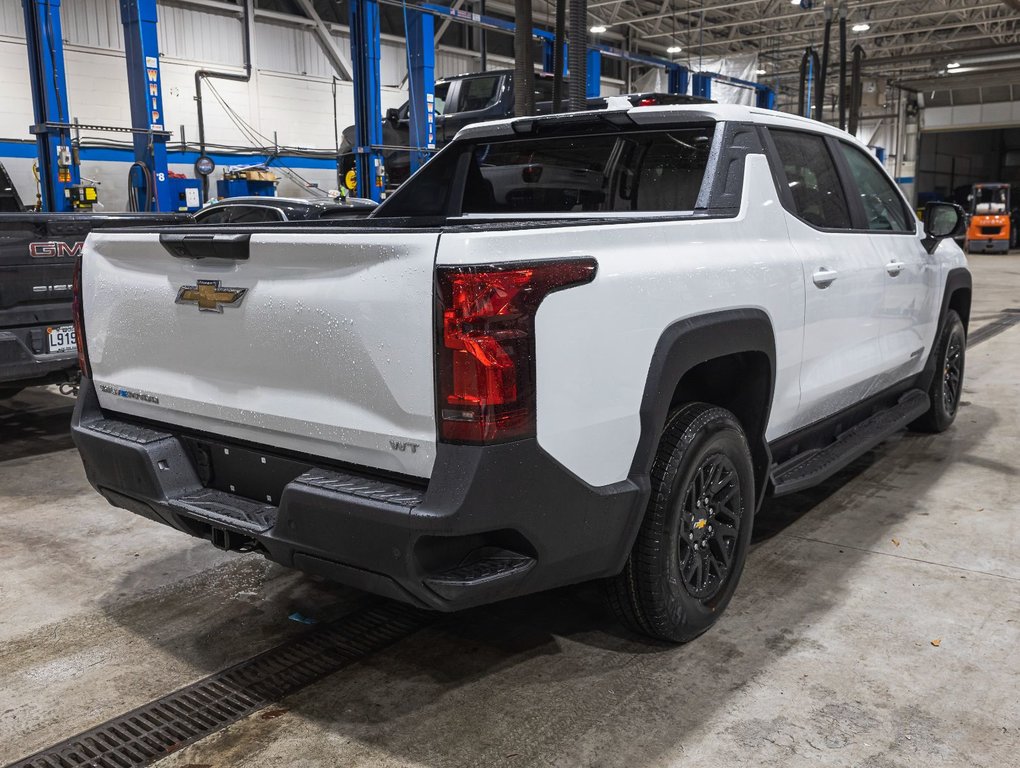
{"x":812,"y":467}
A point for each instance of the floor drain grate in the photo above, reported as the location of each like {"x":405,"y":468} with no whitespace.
{"x":170,"y":723}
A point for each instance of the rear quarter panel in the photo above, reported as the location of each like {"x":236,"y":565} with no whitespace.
{"x":595,"y":342}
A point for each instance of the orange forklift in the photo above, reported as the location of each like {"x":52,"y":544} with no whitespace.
{"x":992,"y":228}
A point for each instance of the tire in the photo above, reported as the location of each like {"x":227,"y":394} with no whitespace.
{"x":947,"y":383}
{"x":667,"y":589}
{"x":347,"y":166}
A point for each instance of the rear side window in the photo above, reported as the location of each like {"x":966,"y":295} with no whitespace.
{"x":811,"y":175}
{"x":605,"y":172}
{"x":883,"y":206}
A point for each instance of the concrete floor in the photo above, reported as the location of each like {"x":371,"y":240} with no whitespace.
{"x":877,"y":624}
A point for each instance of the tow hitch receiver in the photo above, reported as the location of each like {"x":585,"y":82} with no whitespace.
{"x":230,"y":541}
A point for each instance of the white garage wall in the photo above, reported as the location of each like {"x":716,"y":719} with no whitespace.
{"x":1004,"y":114}
{"x":290,"y":91}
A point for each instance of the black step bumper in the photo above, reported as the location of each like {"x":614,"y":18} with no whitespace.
{"x":491,"y":523}
{"x":25,"y":362}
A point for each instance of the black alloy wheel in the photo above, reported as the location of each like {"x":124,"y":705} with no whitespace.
{"x":709,"y":527}
{"x":690,"y":550}
{"x":946,"y":387}
{"x":952,"y":375}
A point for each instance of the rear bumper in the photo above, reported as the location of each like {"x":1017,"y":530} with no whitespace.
{"x":986,"y":245}
{"x":25,"y":362}
{"x":492,"y":523}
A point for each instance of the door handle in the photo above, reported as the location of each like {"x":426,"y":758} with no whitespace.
{"x":824,"y":276}
{"x":894,"y":267}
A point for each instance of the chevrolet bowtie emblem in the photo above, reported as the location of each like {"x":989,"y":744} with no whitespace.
{"x":209,"y":296}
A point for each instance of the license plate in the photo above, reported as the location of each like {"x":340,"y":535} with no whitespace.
{"x":62,"y":338}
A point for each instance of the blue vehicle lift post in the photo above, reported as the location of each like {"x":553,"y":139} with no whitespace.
{"x":701,"y":85}
{"x":145,"y":89}
{"x":593,"y":74}
{"x":365,"y":55}
{"x":58,"y":167}
{"x":421,"y":85}
{"x":679,"y":79}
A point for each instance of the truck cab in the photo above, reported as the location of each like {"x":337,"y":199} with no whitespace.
{"x":464,"y":100}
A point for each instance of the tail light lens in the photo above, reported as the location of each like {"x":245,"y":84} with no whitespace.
{"x":79,"y":322}
{"x":648,"y":101}
{"x":486,"y":345}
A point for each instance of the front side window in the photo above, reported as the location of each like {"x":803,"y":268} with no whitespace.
{"x":883,"y":206}
{"x":811,"y":175}
{"x":602,"y":172}
{"x":478,"y":93}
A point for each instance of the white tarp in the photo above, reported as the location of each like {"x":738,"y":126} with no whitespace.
{"x":743,"y":66}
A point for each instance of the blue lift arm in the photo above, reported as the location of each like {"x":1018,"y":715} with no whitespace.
{"x":58,"y":168}
{"x":764,"y":96}
{"x":145,"y":90}
{"x":365,"y":55}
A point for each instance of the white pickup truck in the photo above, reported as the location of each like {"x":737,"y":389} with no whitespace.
{"x":571,"y":347}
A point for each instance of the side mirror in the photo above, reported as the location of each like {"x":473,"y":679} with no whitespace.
{"x":393,"y":116}
{"x":942,"y":220}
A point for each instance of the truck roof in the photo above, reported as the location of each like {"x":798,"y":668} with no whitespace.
{"x":658,"y":115}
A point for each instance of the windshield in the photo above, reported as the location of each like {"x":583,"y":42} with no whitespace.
{"x":442,"y":89}
{"x":991,"y":199}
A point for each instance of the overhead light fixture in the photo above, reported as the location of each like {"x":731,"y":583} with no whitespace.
{"x":953,"y":65}
{"x":674,"y":49}
{"x":762,"y":72}
{"x":862,"y":27}
{"x":598,"y":29}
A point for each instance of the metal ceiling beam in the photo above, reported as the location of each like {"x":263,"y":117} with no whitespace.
{"x":447,"y":22}
{"x":329,"y":47}
{"x":891,"y":21}
{"x":918,"y":59}
{"x":756,"y":19}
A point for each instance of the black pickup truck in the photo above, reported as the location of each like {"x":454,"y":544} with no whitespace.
{"x":37,"y":256}
{"x":474,"y":98}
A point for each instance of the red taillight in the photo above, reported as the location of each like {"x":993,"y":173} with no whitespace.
{"x":649,"y":101}
{"x":531,"y":174}
{"x":79,"y":322}
{"x":486,"y":345}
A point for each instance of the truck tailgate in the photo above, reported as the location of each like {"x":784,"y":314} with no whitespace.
{"x":36,"y":268}
{"x":328,"y":352}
